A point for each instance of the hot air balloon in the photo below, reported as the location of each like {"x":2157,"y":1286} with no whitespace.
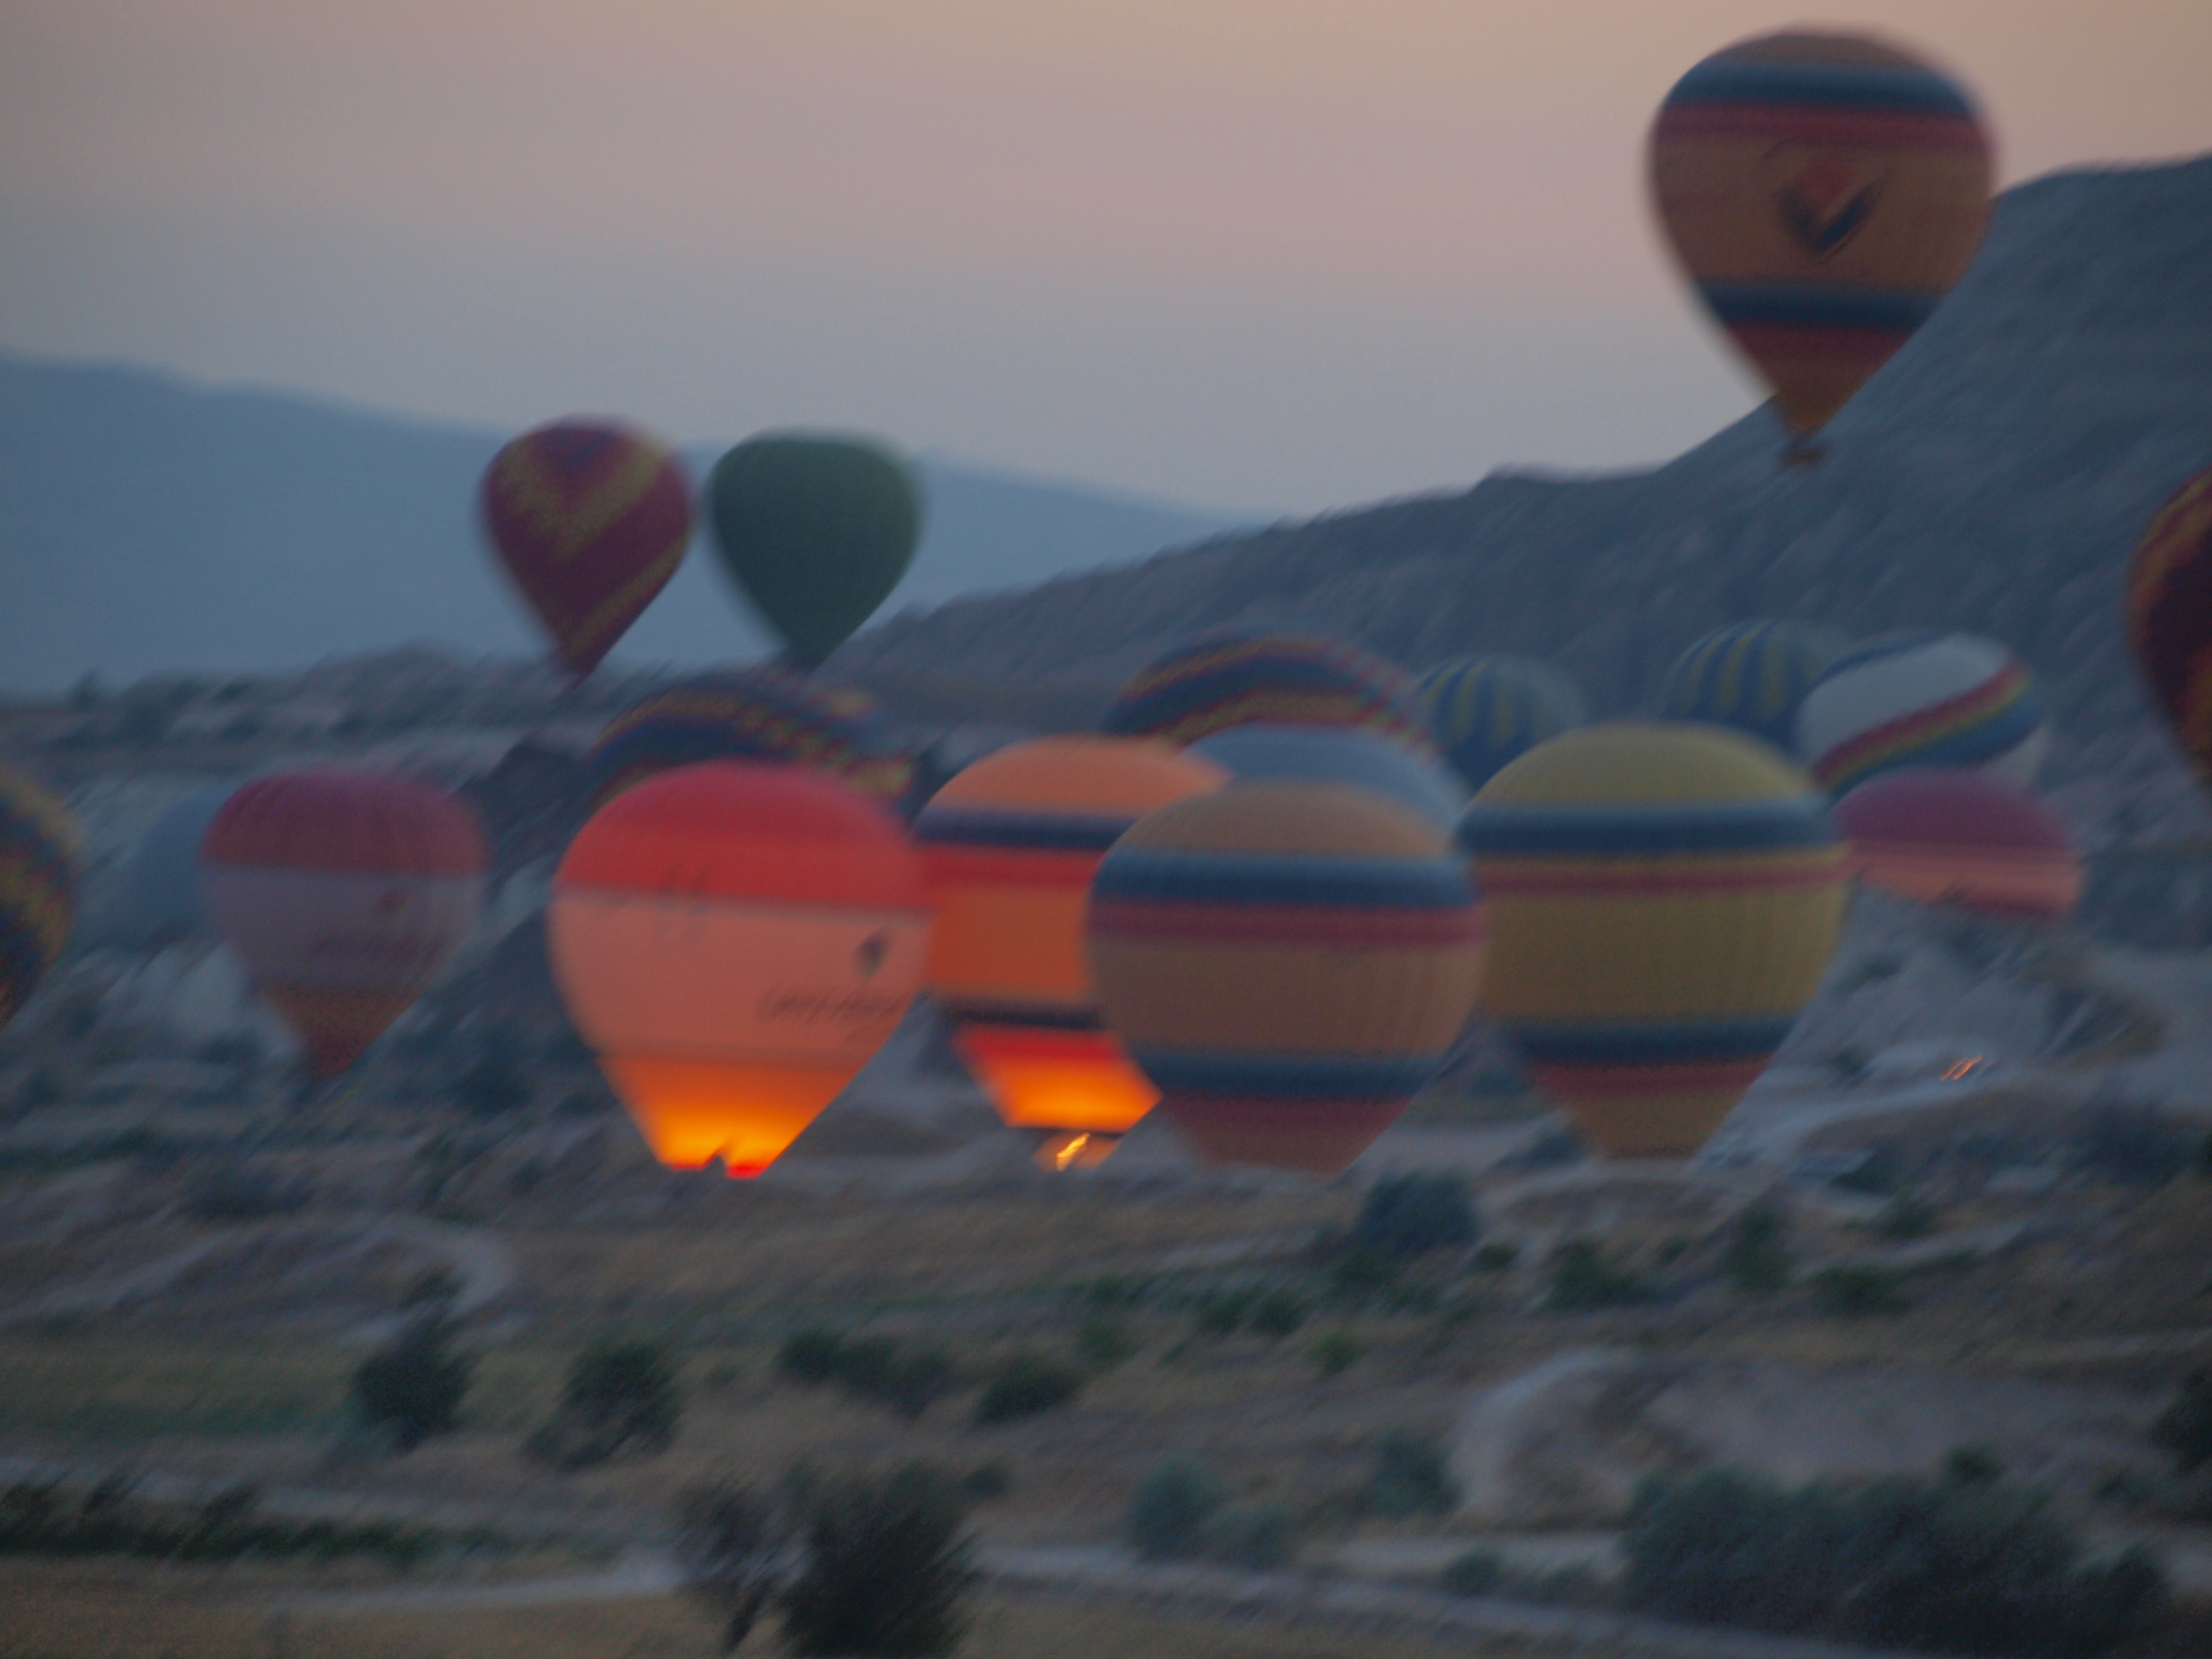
{"x":590,"y":519}
{"x":163,"y":900}
{"x":1824,"y":193}
{"x":38,"y":887}
{"x":816,"y":531}
{"x":1237,"y":677}
{"x":1486,"y":711}
{"x":2169,"y":616}
{"x":763,"y":713}
{"x":1009,"y":847}
{"x":1328,"y":754}
{"x":1954,"y":700}
{"x":344,"y":893}
{"x":1289,"y":962}
{"x":1751,"y":675}
{"x":1663,"y":901}
{"x":734,"y":940}
{"x":1942,"y":838}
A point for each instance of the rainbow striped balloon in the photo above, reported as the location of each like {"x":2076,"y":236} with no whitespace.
{"x":1009,"y":849}
{"x":590,"y":519}
{"x":2169,"y":614}
{"x":1289,"y":962}
{"x":1486,"y":711}
{"x":1664,"y":900}
{"x":38,"y":887}
{"x":759,"y":714}
{"x":1751,"y":675}
{"x":1950,"y":699}
{"x":1824,"y":193}
{"x":1237,"y":677}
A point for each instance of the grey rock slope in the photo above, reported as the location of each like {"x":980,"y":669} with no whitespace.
{"x":1994,"y":478}
{"x":149,"y":523}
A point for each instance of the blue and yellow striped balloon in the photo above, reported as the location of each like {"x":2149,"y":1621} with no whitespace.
{"x":1664,"y":900}
{"x":1752,"y":675}
{"x":1238,"y":677}
{"x":1486,"y":712}
{"x":1288,"y":962}
{"x":38,"y":887}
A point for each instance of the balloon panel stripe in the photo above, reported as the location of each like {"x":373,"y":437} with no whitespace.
{"x":983,"y":826}
{"x":1726,"y":79}
{"x":1291,"y":927}
{"x":1612,"y":1044}
{"x":1645,"y":827}
{"x":1285,"y":1076}
{"x":1800,"y":304}
{"x":1778,"y":123}
{"x":1232,"y":878}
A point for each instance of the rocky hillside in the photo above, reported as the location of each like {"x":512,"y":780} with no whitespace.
{"x":1993,"y":477}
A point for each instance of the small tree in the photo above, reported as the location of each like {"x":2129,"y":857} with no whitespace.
{"x":734,"y":1547}
{"x":619,"y":1394}
{"x":1413,"y":1214}
{"x":1757,"y":1258}
{"x":2183,"y":1429}
{"x":888,"y":1568}
{"x":415,"y":1384}
{"x":1026,"y":1384}
{"x":1410,"y":1476}
{"x":1168,"y":1516}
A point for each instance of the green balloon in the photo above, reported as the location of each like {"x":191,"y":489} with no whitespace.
{"x":816,"y":531}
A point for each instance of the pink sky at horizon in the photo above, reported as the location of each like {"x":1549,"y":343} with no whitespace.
{"x":1277,"y":254}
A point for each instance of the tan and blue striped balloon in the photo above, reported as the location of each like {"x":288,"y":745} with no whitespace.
{"x":1664,"y":900}
{"x":1288,"y":962}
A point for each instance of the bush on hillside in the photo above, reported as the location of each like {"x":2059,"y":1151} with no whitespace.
{"x":1972,"y":1568}
{"x":1026,"y":1384}
{"x":414,"y":1386}
{"x":1757,"y":1263}
{"x":619,"y":1394}
{"x":1410,"y":1476}
{"x":1257,"y":1537}
{"x":1168,"y":1515}
{"x":888,"y":1568}
{"x":1584,"y":1278}
{"x":2183,"y":1429}
{"x":735,"y":1548}
{"x":1409,"y":1215}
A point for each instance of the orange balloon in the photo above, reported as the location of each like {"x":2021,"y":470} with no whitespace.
{"x":1009,"y":847}
{"x":734,"y":940}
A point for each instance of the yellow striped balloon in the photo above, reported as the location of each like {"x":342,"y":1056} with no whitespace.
{"x":37,"y":886}
{"x":1289,"y":962}
{"x":1664,"y":900}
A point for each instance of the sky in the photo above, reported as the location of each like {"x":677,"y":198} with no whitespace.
{"x":1254,"y":254}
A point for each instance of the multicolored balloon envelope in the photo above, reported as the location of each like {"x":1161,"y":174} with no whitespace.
{"x":1664,"y":900}
{"x":1824,"y":193}
{"x":1953,"y":699}
{"x":2169,"y":616}
{"x":1238,"y":676}
{"x":1329,"y":754}
{"x":591,"y":519}
{"x":1289,"y":962}
{"x":1484,"y":711}
{"x":762,"y":714}
{"x":1942,"y":837}
{"x":38,"y":887}
{"x":734,"y":940}
{"x":344,"y":893}
{"x":1752,"y":675}
{"x":1009,"y":847}
{"x":815,"y":530}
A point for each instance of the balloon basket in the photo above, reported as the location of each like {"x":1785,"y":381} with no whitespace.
{"x":1074,"y":1149}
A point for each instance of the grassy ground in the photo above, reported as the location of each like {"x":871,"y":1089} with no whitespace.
{"x":108,"y":1614}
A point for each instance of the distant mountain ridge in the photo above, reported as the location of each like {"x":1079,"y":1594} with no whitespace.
{"x":149,"y":523}
{"x":1994,"y":476}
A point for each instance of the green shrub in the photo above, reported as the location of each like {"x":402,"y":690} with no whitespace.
{"x":1410,"y":1476}
{"x":1757,"y":1263}
{"x":1278,"y":1314}
{"x":1168,"y":1515}
{"x":1905,"y":1218}
{"x":1258,"y":1537}
{"x":1025,"y":1385}
{"x":1583,"y":1278}
{"x":1475,"y":1572}
{"x":733,"y":1545}
{"x":810,"y":1355}
{"x":1974,"y":1568}
{"x":1410,"y":1215}
{"x":1497,"y":1256}
{"x":988,"y":1481}
{"x":1973,"y":1466}
{"x":1857,"y":1293}
{"x":890,"y":1567}
{"x":1105,"y":1340}
{"x":415,"y":1384}
{"x":619,"y":1395}
{"x":1336,"y":1352}
{"x":907,"y":1380}
{"x":1223,"y":1312}
{"x":2183,"y":1429}
{"x":1358,"y":1273}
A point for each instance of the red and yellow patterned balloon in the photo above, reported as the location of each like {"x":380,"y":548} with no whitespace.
{"x":590,"y":519}
{"x":38,"y":885}
{"x":2170,"y":616}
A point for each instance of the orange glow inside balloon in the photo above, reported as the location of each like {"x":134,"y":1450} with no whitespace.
{"x":692,"y":1112}
{"x":1046,"y":1079}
